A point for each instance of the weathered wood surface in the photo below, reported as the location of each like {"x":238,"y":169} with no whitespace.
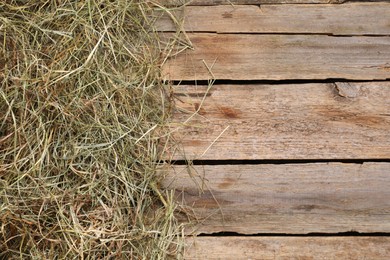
{"x":292,"y":121}
{"x":288,"y":248}
{"x":280,"y":57}
{"x":292,"y":198}
{"x":251,"y":2}
{"x":347,"y":19}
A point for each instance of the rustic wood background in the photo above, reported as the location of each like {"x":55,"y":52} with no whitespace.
{"x":289,"y":149}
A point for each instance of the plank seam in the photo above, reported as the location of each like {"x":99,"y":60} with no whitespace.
{"x":341,"y":234}
{"x":271,"y":82}
{"x":330,"y":2}
{"x":276,"y":162}
{"x":279,"y":33}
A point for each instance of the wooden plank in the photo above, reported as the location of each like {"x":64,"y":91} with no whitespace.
{"x":288,"y":248}
{"x":280,"y":57}
{"x":250,"y":2}
{"x":288,"y":198}
{"x":347,"y":19}
{"x":292,"y":121}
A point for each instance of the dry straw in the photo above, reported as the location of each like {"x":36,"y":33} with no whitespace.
{"x":82,"y":108}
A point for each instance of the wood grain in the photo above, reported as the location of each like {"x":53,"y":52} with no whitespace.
{"x":292,"y":121}
{"x":280,"y":57}
{"x":288,"y":248}
{"x":288,"y":198}
{"x":347,"y":19}
{"x":249,"y":2}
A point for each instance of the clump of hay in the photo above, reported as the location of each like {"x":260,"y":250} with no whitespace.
{"x":82,"y":108}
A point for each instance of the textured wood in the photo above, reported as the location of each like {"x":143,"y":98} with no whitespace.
{"x":280,"y":57}
{"x":347,"y":19}
{"x":292,"y":198}
{"x":288,"y":248}
{"x":250,"y":2}
{"x":293,"y":121}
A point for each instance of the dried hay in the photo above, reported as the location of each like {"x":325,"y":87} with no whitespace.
{"x":82,"y":110}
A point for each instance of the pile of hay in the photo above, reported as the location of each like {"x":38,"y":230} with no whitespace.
{"x":82,"y":108}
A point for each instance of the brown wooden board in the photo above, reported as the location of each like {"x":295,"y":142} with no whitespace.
{"x":288,"y":248}
{"x":250,"y":2}
{"x":292,"y":121}
{"x":346,"y":19}
{"x":281,"y":57}
{"x":287,"y":198}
